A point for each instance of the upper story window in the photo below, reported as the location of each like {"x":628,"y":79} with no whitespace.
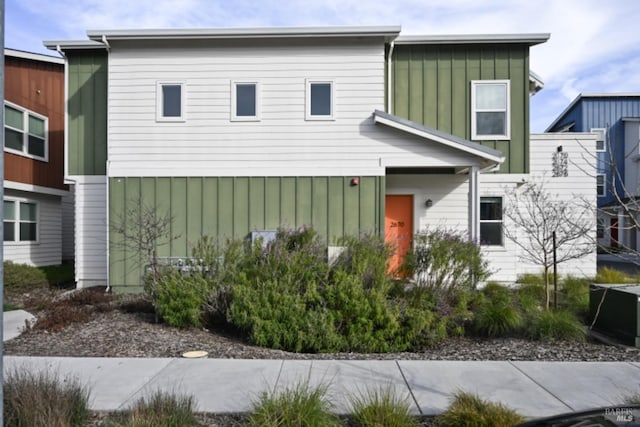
{"x":320,"y":100}
{"x":170,"y":102}
{"x":601,"y":135}
{"x":490,"y":109}
{"x":20,"y":221}
{"x":491,"y":221}
{"x":25,"y":132}
{"x":601,"y":182}
{"x":245,"y":101}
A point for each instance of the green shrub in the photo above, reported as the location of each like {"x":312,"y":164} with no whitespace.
{"x":367,"y":257}
{"x":610,"y":275}
{"x":551,"y":325}
{"x":469,"y":410}
{"x":530,"y":296}
{"x":496,"y":312}
{"x":18,"y":276}
{"x":300,"y":405}
{"x":44,"y":399}
{"x":62,"y":274}
{"x":531,"y":279}
{"x":179,"y":297}
{"x":381,"y":408}
{"x":574,"y":295}
{"x":446,"y":261}
{"x":160,"y":409}
{"x":293,"y":300}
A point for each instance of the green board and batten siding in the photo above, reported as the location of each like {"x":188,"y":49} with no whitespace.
{"x":87,"y":112}
{"x":232,"y":207}
{"x":432,"y":86}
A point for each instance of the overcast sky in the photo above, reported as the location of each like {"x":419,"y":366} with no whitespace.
{"x":594,"y":45}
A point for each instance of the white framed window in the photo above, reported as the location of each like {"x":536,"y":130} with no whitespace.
{"x":601,"y":181}
{"x":20,"y":221}
{"x":601,"y":137}
{"x":490,"y":109}
{"x":25,"y":132}
{"x":320,"y":100}
{"x":245,"y":101}
{"x":170,"y":102}
{"x":491,"y":224}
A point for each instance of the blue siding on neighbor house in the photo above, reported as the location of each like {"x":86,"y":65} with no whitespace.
{"x":603,"y":112}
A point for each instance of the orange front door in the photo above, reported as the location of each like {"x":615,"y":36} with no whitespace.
{"x":398,"y":228}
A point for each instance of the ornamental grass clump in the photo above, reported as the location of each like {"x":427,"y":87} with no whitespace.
{"x":469,"y":410}
{"x":160,"y":409}
{"x":44,"y":399}
{"x":300,"y":405}
{"x":497,"y":314}
{"x":381,"y":407}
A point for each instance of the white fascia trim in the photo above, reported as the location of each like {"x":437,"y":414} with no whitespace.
{"x":389,"y":32}
{"x":21,"y":186}
{"x":32,"y":56}
{"x":444,"y":141}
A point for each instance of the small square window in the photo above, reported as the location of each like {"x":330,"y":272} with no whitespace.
{"x":320,"y":100}
{"x":20,"y":221}
{"x":245,"y":101}
{"x":491,"y":221}
{"x":490,"y":115}
{"x":170,"y":100}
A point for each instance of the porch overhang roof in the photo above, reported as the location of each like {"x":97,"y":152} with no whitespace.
{"x":490,"y":158}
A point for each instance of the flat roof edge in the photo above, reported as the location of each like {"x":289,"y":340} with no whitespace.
{"x":389,"y":31}
{"x":73,"y":44}
{"x":33,"y":56}
{"x":530,"y":39}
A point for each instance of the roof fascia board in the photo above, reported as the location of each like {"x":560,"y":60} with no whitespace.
{"x":32,"y":56}
{"x":424,"y":133}
{"x":530,"y":39}
{"x":73,"y":44}
{"x":388,"y":32}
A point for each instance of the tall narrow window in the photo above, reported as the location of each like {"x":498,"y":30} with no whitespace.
{"x":600,"y":184}
{"x":245,"y":101}
{"x":490,"y":115}
{"x":600,"y":139}
{"x":20,"y":221}
{"x":320,"y":100}
{"x":491,"y":221}
{"x":170,"y":102}
{"x":25,"y":132}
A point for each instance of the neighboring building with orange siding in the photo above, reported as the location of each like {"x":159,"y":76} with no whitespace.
{"x":35,"y":191}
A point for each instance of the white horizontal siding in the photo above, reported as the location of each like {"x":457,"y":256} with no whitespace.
{"x":282,"y":143}
{"x":448,"y":193}
{"x":48,"y":249}
{"x":578,"y":189}
{"x":91,"y":231}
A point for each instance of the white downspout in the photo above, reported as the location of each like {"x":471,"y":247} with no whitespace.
{"x":389,"y":79}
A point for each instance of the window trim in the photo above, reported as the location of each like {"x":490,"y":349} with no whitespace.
{"x":308,"y":84}
{"x":492,"y":221}
{"x":507,"y":110}
{"x":25,"y":133}
{"x":604,"y":142}
{"x":234,"y":94}
{"x":603,"y":185}
{"x":160,"y":101}
{"x":17,"y":222}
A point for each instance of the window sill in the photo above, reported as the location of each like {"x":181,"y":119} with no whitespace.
{"x":28,"y":156}
{"x":493,"y":248}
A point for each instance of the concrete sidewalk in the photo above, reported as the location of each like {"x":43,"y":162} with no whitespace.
{"x":13,"y":323}
{"x":535,"y":389}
